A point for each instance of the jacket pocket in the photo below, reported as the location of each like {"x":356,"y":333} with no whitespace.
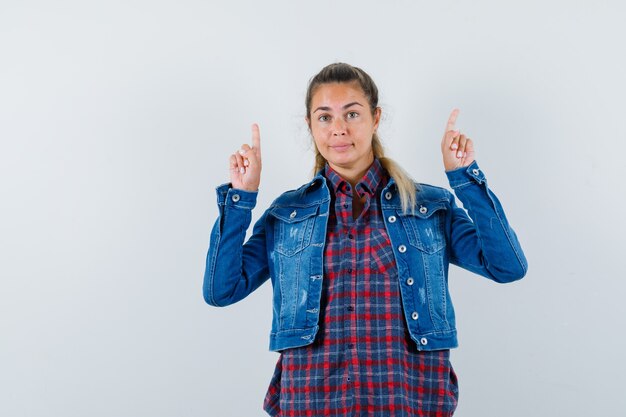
{"x":425,"y":228}
{"x":293,"y":227}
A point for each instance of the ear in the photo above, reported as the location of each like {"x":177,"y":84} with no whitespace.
{"x":308,"y":122}
{"x":377,"y":113}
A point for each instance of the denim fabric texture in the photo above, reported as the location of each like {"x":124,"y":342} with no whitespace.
{"x":287,"y":246}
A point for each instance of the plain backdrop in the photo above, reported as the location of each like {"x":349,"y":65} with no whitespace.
{"x":116,"y":122}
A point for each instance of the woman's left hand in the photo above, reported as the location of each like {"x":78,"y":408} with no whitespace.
{"x":457,"y":149}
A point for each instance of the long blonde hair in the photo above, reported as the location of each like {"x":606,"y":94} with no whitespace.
{"x":345,"y":73}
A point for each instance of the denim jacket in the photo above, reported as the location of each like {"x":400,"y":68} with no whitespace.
{"x":287,"y":246}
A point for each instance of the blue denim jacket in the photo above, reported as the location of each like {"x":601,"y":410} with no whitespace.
{"x":287,"y":245}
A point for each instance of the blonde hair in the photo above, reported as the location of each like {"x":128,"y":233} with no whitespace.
{"x":345,"y":73}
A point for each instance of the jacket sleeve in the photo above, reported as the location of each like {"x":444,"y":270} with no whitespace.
{"x":234,"y":269}
{"x":482,"y":242}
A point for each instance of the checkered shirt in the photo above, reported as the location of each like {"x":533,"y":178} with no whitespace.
{"x":363,"y":361}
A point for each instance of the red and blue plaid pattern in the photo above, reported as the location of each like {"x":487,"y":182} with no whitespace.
{"x":363,"y":361}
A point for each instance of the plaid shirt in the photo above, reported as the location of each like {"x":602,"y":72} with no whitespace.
{"x":363,"y":361}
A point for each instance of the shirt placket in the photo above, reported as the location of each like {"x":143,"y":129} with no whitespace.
{"x":353,"y":268}
{"x":348,"y":267}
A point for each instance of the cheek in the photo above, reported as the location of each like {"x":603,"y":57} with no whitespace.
{"x":319,"y":135}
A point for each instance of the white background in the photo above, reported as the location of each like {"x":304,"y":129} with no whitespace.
{"x":116,"y":122}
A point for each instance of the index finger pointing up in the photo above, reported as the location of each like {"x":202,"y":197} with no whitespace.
{"x":256,"y":137}
{"x":452,"y":120}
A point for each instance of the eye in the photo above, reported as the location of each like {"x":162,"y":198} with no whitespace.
{"x":353,"y":115}
{"x":324,"y":118}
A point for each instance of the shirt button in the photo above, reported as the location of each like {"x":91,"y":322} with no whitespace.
{"x":235,"y":197}
{"x":392,"y":219}
{"x":409,"y":281}
{"x":475,"y":171}
{"x":415,"y":316}
{"x":350,"y":346}
{"x":350,"y":308}
{"x":293,"y":214}
{"x":388,"y":195}
{"x":423,"y":209}
{"x":350,"y":270}
{"x":350,"y":236}
{"x":345,"y":206}
{"x":424,"y":341}
{"x":401,"y":248}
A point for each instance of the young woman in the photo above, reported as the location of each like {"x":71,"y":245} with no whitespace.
{"x":358,"y":258}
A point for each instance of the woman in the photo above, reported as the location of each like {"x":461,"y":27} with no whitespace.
{"x":358,"y":259}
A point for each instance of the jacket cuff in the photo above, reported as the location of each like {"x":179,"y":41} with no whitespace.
{"x":232,"y":197}
{"x":471,"y":174}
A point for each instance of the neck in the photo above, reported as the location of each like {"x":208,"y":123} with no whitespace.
{"x":353,"y":174}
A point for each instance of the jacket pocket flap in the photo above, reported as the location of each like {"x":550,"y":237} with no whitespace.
{"x":294,"y":214}
{"x":426,"y":209}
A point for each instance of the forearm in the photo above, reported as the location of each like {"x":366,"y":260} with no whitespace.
{"x":234,"y":269}
{"x":486,"y":244}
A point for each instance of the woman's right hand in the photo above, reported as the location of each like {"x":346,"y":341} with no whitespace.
{"x":245,"y":164}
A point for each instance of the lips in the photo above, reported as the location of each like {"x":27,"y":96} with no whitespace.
{"x":341,"y":147}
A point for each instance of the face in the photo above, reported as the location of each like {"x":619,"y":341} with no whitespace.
{"x":342,"y":126}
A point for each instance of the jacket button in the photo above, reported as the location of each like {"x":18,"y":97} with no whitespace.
{"x":423,"y":209}
{"x":409,"y":281}
{"x":392,"y":219}
{"x":424,"y":341}
{"x":293,"y":214}
{"x":475,"y":171}
{"x":401,"y":248}
{"x":388,"y":195}
{"x":415,"y":316}
{"x":235,"y":197}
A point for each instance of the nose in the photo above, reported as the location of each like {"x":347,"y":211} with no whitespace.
{"x":339,"y":127}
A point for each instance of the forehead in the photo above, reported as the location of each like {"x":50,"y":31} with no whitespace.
{"x":330,"y":94}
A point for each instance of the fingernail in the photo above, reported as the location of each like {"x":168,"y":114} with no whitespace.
{"x":242,"y":170}
{"x":242,"y":152}
{"x":459,"y":154}
{"x":246,"y":162}
{"x":454,"y":146}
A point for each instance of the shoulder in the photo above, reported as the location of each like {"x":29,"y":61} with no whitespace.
{"x":431,"y":192}
{"x":310,"y":193}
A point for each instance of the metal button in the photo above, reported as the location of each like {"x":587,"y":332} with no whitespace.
{"x":423,"y":209}
{"x":392,"y":219}
{"x":424,"y":341}
{"x":401,"y":248}
{"x":388,"y":195}
{"x":235,"y":197}
{"x":409,"y":281}
{"x":415,"y":316}
{"x":475,"y":171}
{"x":293,"y":214}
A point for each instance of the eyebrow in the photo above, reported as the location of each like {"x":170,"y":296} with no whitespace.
{"x":324,"y":108}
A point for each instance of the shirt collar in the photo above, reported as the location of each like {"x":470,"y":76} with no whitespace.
{"x":373,"y":178}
